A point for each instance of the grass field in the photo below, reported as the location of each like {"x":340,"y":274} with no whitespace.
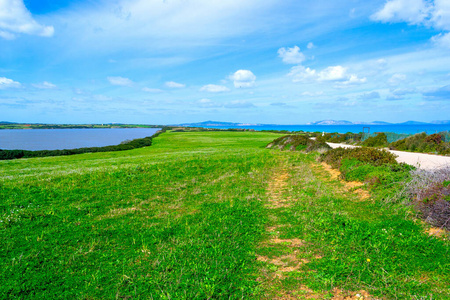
{"x":206,"y":215}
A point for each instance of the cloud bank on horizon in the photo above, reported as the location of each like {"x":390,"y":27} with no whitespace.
{"x":163,"y":62}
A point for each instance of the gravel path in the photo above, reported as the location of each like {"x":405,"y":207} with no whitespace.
{"x":419,"y":160}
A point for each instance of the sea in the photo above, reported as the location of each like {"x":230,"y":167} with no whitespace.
{"x":394,"y":128}
{"x":58,"y":139}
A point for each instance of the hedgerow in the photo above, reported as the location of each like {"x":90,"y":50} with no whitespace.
{"x":298,"y":143}
{"x":134,"y":144}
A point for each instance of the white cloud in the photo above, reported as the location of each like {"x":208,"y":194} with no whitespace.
{"x":212,"y":88}
{"x":45,"y":85}
{"x":410,"y":11}
{"x":333,"y":73}
{"x":8,"y":83}
{"x":120,"y":81}
{"x":310,"y":45}
{"x":428,"y":13}
{"x":337,"y":74}
{"x":15,"y":19}
{"x":208,"y":103}
{"x":243,"y":79}
{"x":150,"y":90}
{"x":441,"y":14}
{"x":174,"y":85}
{"x":291,"y":55}
{"x":442,"y":40}
{"x":302,"y":74}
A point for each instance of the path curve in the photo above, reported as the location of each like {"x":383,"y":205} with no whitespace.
{"x":419,"y":160}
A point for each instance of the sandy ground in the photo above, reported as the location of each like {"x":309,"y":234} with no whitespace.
{"x":419,"y":160}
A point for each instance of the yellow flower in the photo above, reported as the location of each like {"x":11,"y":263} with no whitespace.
{"x":368,"y":260}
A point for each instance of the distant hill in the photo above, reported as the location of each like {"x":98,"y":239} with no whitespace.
{"x":322,"y":122}
{"x":441,"y":122}
{"x":6,"y":123}
{"x":216,"y":123}
{"x":344,"y":122}
{"x":330,"y":122}
{"x":413,"y":123}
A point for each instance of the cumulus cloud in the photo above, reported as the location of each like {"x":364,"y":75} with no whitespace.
{"x":44,"y":85}
{"x":120,"y":81}
{"x":243,"y":79}
{"x":16,"y":19}
{"x":439,"y":94}
{"x":212,"y":88}
{"x":430,"y":13}
{"x":302,"y":74}
{"x":174,"y":85}
{"x":333,"y":73}
{"x":291,"y":55}
{"x":337,"y":74}
{"x":310,"y":45}
{"x":8,"y":83}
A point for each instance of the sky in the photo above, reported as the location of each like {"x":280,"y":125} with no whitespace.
{"x":253,"y":61}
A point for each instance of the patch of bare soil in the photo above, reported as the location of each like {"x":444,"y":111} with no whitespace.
{"x":438,"y":232}
{"x":276,"y":188}
{"x":350,"y":186}
{"x":291,"y":260}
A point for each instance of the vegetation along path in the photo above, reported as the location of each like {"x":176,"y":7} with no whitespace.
{"x":207,"y":215}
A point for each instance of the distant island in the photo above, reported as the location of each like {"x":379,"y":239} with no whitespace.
{"x":322,"y":122}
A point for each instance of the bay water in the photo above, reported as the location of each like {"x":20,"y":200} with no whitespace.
{"x":58,"y":139}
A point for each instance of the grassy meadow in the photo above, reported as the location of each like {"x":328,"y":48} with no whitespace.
{"x":206,"y":215}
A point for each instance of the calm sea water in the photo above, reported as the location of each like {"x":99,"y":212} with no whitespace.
{"x":409,"y":129}
{"x":53,"y":139}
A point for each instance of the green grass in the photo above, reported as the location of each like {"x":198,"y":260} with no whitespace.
{"x":186,"y":219}
{"x":180,"y":219}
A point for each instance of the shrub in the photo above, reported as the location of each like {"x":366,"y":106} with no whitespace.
{"x":422,"y":143}
{"x":297,"y":143}
{"x":429,"y":192}
{"x":380,"y":140}
{"x":371,"y":156}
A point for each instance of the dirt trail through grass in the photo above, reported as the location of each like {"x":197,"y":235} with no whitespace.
{"x":285,"y":254}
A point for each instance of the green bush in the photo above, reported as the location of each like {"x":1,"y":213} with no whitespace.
{"x":424,"y":143}
{"x":380,"y":140}
{"x":371,"y":156}
{"x":297,"y":143}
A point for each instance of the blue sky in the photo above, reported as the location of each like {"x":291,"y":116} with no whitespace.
{"x":253,"y":61}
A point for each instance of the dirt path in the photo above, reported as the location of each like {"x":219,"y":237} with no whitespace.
{"x":285,"y":259}
{"x":419,"y":160}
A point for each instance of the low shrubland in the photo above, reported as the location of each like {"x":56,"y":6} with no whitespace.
{"x":334,"y":137}
{"x":424,"y":143}
{"x":427,"y":190}
{"x":298,"y":143}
